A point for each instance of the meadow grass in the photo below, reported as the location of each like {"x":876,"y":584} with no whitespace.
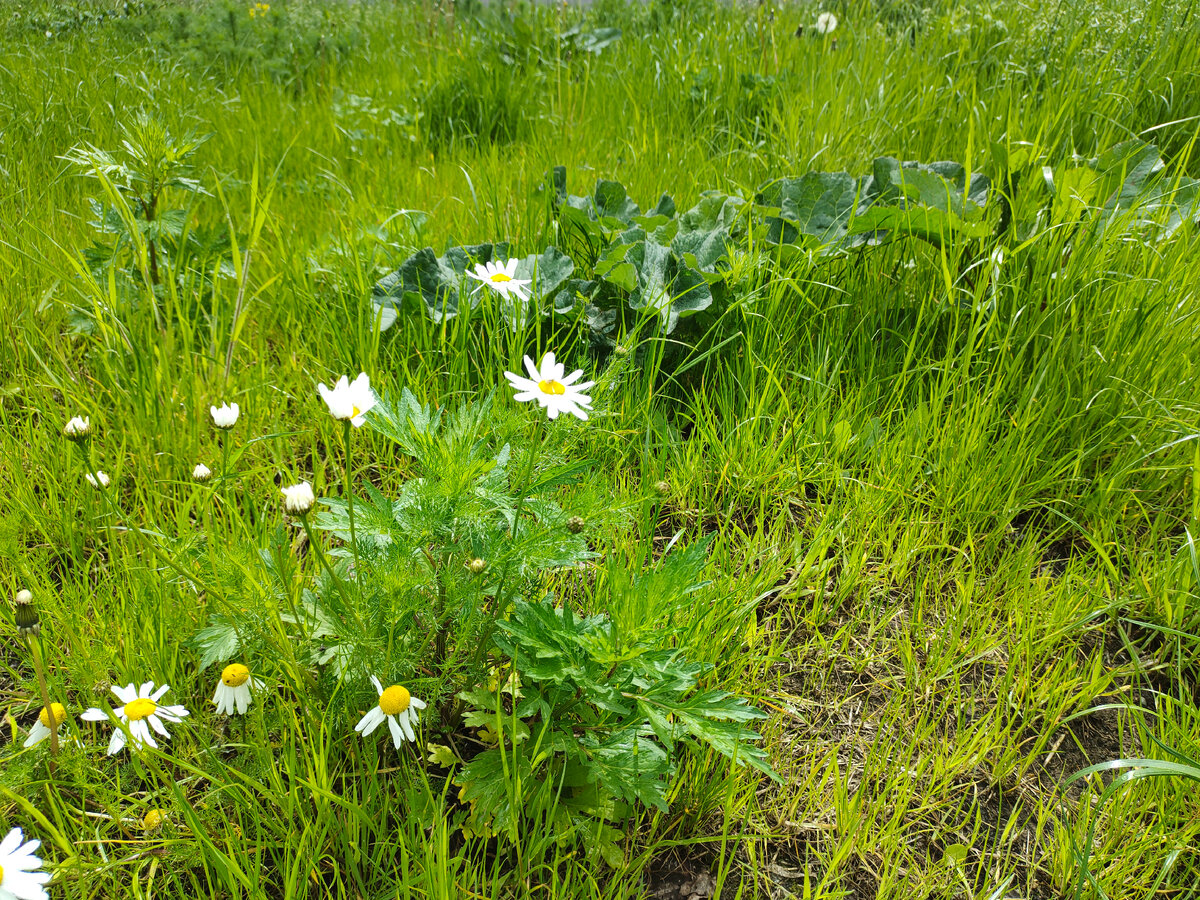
{"x":951,"y":518}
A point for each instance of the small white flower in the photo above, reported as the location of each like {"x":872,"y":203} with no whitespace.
{"x":78,"y":428}
{"x":826,"y":23}
{"x":553,"y":392}
{"x":19,"y":875}
{"x":396,"y":705}
{"x":225,"y":417}
{"x":349,"y":399}
{"x":54,"y":715}
{"x":233,"y":690}
{"x":299,"y":498}
{"x":140,"y":713}
{"x":500,"y":278}
{"x":98,"y":480}
{"x":201,"y":473}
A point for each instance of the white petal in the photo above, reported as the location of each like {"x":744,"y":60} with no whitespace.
{"x":242,"y":696}
{"x":173,"y":713}
{"x":117,"y":742}
{"x":158,"y":726}
{"x":510,"y":267}
{"x":146,"y":688}
{"x":378,"y":685}
{"x":162,"y":690}
{"x":23,"y":886}
{"x":370,"y":721}
{"x":93,"y":715}
{"x":397,"y":737}
{"x":10,"y":842}
{"x":126,"y":694}
{"x":419,"y":704}
{"x":406,"y":724}
{"x":534,"y":375}
{"x":38,"y":732}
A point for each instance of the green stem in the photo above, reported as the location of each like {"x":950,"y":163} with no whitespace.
{"x":324,"y":561}
{"x":500,"y":602}
{"x":350,"y":508}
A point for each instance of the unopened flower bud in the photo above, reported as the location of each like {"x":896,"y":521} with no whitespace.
{"x":299,"y":498}
{"x":575,"y":524}
{"x":224,"y":416}
{"x":27,"y":615}
{"x":662,"y":488}
{"x":78,"y":429}
{"x":621,"y":350}
{"x":477,"y":566}
{"x":154,"y":819}
{"x":97,"y":480}
{"x":201,"y":473}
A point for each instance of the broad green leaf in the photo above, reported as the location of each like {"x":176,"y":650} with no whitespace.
{"x":434,"y":283}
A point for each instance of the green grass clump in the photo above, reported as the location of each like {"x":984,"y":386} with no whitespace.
{"x":946,"y":487}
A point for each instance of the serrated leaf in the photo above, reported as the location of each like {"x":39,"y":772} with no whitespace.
{"x":434,"y":283}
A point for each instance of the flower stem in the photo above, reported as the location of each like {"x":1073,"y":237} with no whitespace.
{"x":35,"y":652}
{"x":350,"y":508}
{"x":499,"y":601}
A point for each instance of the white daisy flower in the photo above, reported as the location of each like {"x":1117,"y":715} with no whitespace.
{"x":201,"y":473}
{"x":349,"y":399}
{"x":500,"y":278}
{"x":53,"y":715}
{"x":233,"y":690}
{"x":299,"y":498}
{"x":97,"y":480}
{"x":78,"y":428}
{"x":140,"y":713}
{"x":553,"y":392}
{"x":396,"y":705}
{"x":225,"y":417}
{"x":19,"y":875}
{"x":826,"y":23}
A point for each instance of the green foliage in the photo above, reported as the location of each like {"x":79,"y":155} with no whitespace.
{"x":604,"y":705}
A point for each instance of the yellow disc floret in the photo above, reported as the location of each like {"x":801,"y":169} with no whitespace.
{"x":549,"y":386}
{"x":140,"y":709}
{"x":500,"y":276}
{"x":394,"y":700}
{"x":153,"y":819}
{"x":54,"y":711}
{"x":235,"y":675}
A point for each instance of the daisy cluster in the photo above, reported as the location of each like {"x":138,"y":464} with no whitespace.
{"x":141,"y":719}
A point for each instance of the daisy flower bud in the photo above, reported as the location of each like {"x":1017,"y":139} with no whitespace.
{"x":26,"y":615}
{"x":575,"y":524}
{"x":154,"y":819}
{"x":299,"y":498}
{"x":201,"y":473}
{"x":97,"y":480}
{"x":226,"y":416}
{"x":477,"y":566}
{"x":662,"y":488}
{"x":78,"y":429}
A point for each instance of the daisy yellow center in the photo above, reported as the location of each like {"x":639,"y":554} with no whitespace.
{"x":394,"y":700}
{"x":140,"y":709}
{"x":235,"y":675}
{"x":355,"y":412}
{"x":153,"y":819}
{"x":54,"y":711}
{"x":500,"y":276}
{"x":550,"y":386}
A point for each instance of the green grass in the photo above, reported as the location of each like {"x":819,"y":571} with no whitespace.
{"x":944,"y":530}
